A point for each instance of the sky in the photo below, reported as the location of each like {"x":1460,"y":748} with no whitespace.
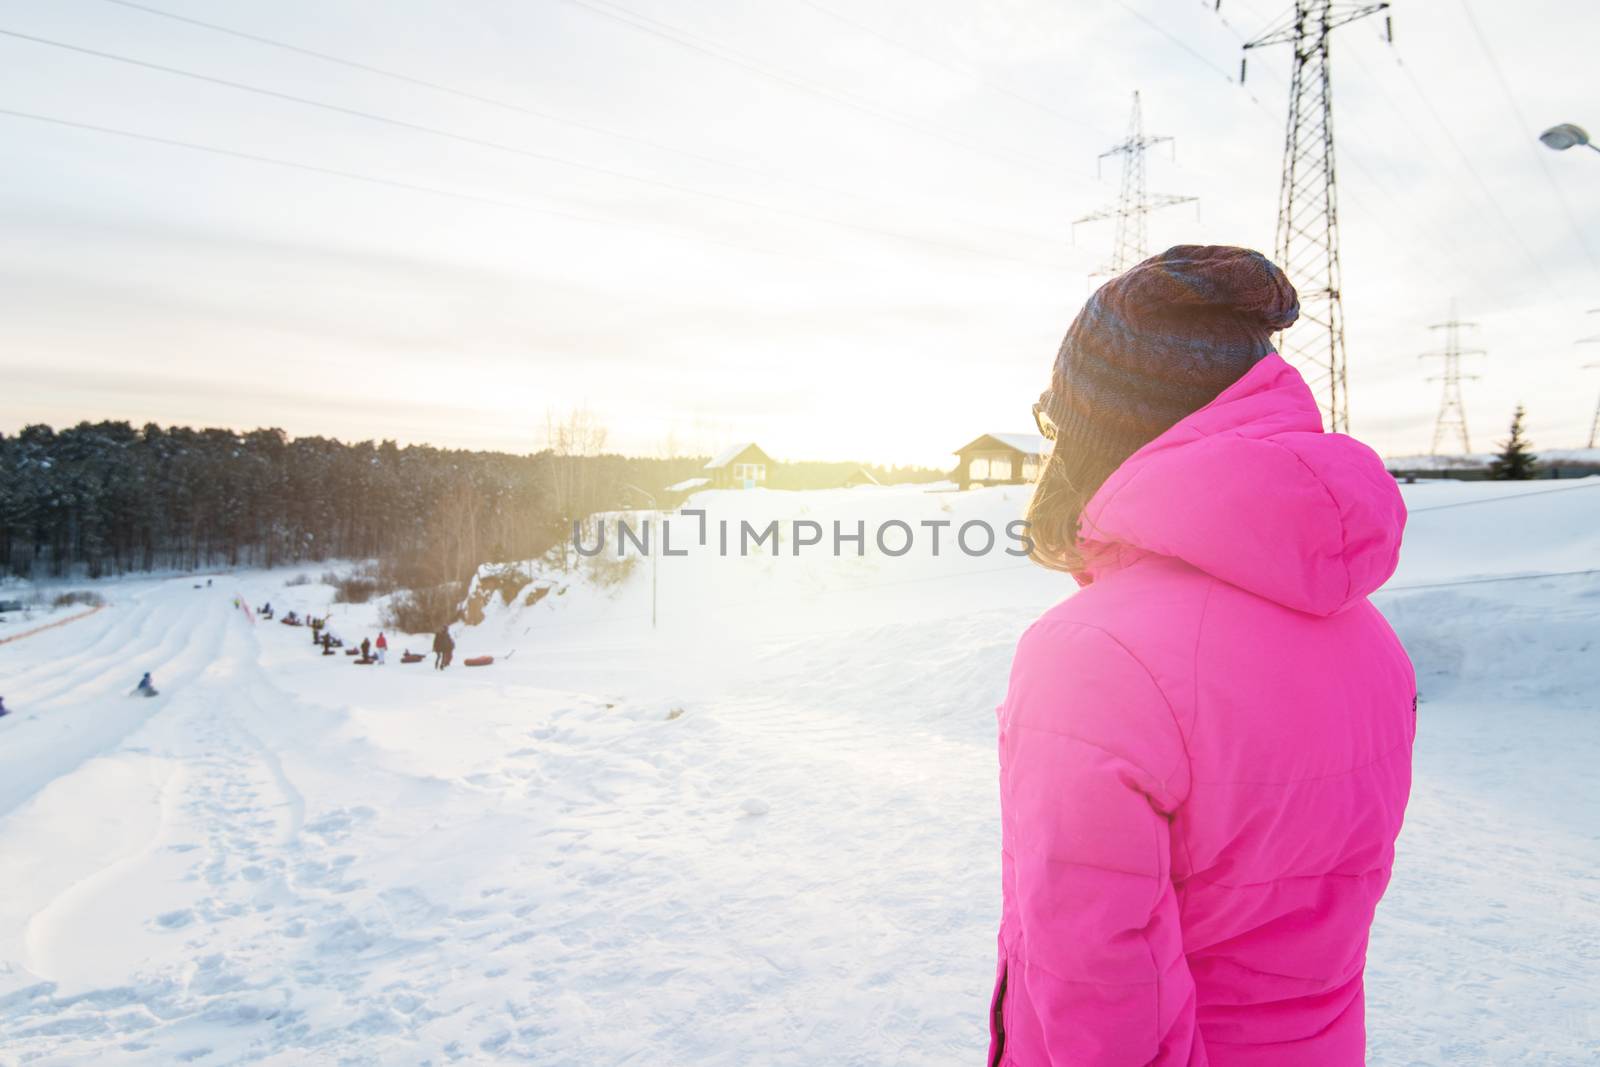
{"x":842,"y":230}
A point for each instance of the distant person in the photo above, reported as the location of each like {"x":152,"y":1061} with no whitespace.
{"x":1205,"y":754}
{"x":4,"y":711}
{"x":145,"y":688}
{"x":443,"y":646}
{"x":366,"y":648}
{"x":382,"y":646}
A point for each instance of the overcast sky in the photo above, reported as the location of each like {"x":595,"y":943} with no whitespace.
{"x":842,"y":228}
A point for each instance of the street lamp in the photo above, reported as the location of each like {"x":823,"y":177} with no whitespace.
{"x":1565,"y":136}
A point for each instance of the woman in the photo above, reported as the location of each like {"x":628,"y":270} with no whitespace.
{"x":1205,"y":754}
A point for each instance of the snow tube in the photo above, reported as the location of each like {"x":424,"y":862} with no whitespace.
{"x":477,"y":661}
{"x":412,"y":657}
{"x":363,"y":662}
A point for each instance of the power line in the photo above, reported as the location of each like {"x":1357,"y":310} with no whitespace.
{"x":1187,"y":48}
{"x":523,"y":109}
{"x":1213,"y":5}
{"x":957,"y":68}
{"x":1459,"y":258}
{"x":392,"y":183}
{"x":1585,"y":484}
{"x":545,"y":157}
{"x":1526,"y":133}
{"x":1401,"y":216}
{"x":1466,"y":161}
{"x":722,"y":53}
{"x":1487,"y":581}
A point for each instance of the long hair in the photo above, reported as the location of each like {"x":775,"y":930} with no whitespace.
{"x":1055,"y":511}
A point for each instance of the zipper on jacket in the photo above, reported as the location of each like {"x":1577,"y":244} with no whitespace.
{"x":997,"y":1023}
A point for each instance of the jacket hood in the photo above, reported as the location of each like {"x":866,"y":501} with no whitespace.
{"x":1251,"y":490}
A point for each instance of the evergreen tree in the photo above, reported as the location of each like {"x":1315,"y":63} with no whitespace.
{"x":108,"y":498}
{"x":1515,"y":463}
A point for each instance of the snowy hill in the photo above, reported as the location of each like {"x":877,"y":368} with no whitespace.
{"x":764,"y":831}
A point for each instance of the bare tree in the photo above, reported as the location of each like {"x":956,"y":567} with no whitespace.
{"x":577,"y":487}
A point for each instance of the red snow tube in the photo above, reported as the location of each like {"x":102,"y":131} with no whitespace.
{"x":478,"y":661}
{"x":411,"y":657}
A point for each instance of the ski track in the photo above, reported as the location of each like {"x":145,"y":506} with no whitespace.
{"x":560,"y":862}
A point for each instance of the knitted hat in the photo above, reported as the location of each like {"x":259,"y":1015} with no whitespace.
{"x":1159,"y":342}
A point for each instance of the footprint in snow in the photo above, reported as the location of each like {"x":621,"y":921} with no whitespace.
{"x":174,"y":920}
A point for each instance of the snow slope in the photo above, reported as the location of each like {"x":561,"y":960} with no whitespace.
{"x":763,"y":833}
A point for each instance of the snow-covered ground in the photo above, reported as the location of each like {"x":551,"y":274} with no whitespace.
{"x":763,"y":833}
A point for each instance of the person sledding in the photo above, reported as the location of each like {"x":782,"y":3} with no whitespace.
{"x":145,"y":688}
{"x":443,"y":647}
{"x":382,"y":647}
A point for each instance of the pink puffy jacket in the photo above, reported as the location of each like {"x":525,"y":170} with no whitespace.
{"x":1205,"y":754}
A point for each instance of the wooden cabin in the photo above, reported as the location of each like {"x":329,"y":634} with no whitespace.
{"x":1000,"y":459}
{"x":740,"y":466}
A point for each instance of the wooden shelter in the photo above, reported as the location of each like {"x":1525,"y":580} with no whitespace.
{"x":1000,"y":459}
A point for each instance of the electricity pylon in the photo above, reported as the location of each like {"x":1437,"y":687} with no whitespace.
{"x":1594,"y":427}
{"x":1135,"y":203}
{"x":1308,"y":202}
{"x":1452,"y":418}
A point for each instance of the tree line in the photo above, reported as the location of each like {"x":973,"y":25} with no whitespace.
{"x":108,"y":498}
